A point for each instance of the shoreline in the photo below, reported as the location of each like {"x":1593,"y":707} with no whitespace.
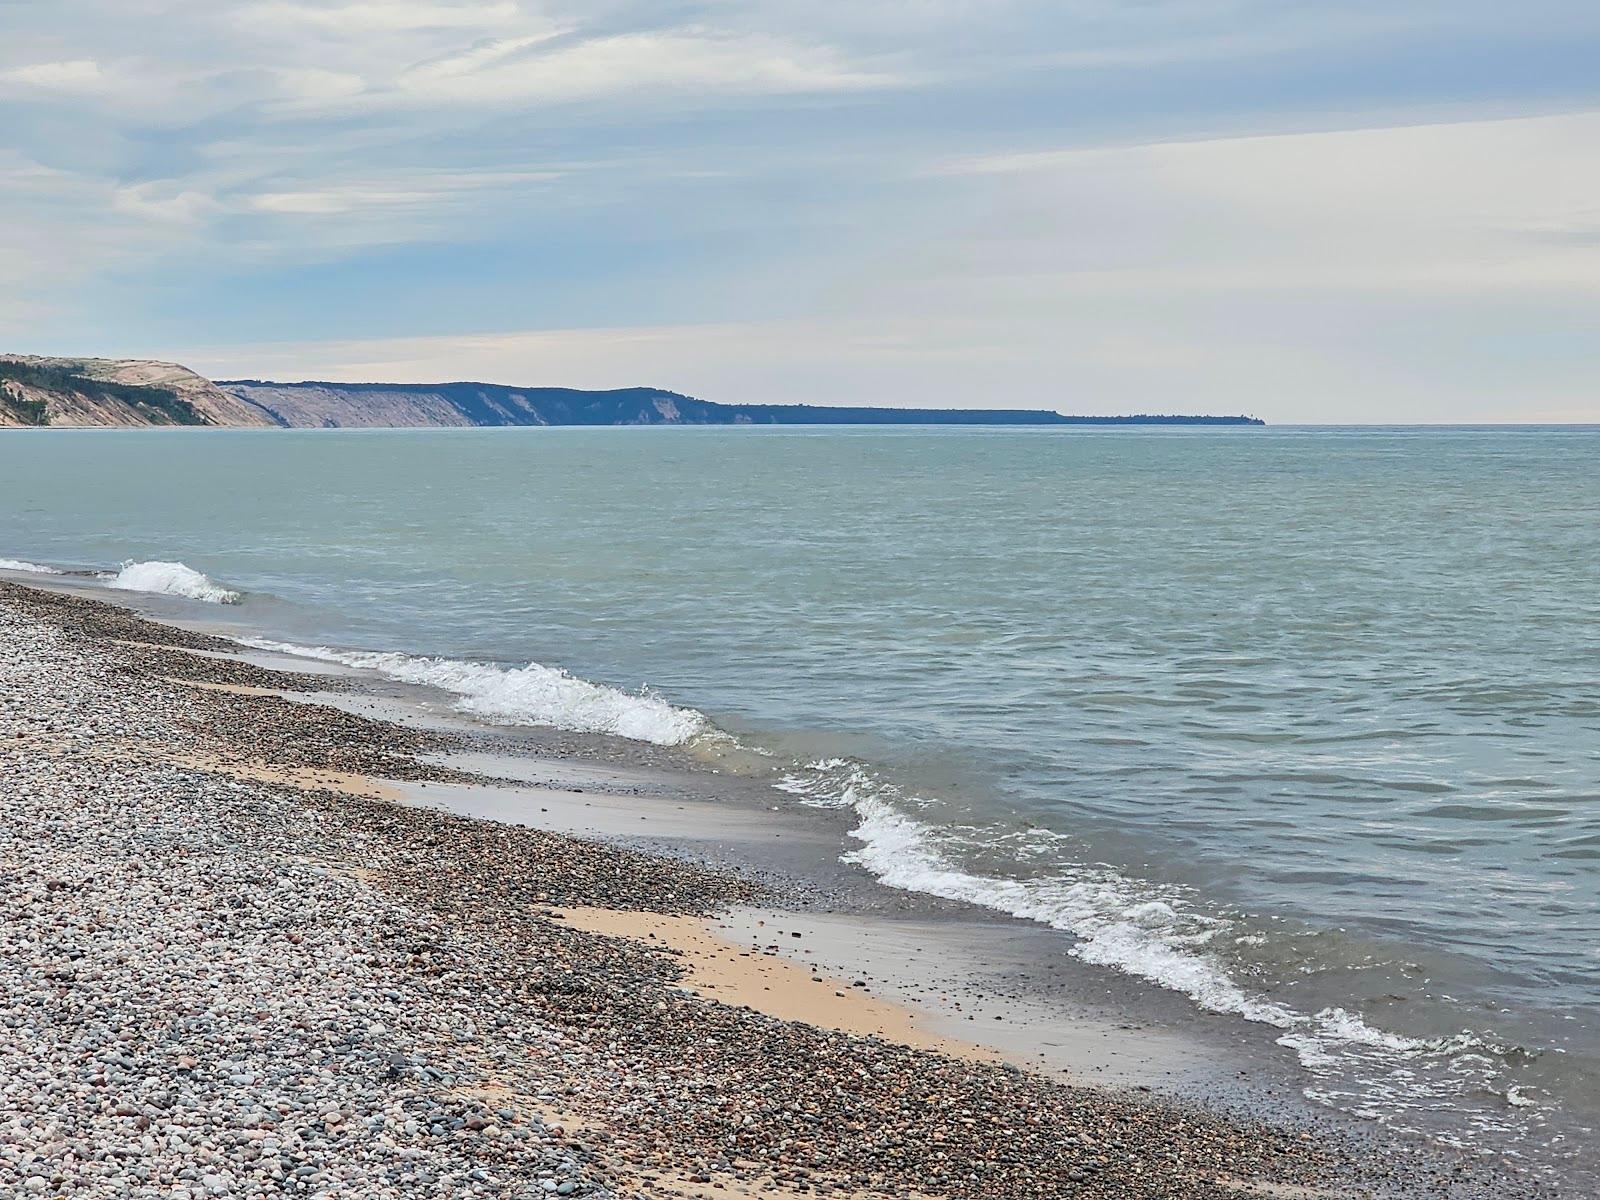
{"x":1316,"y":1026}
{"x":250,"y":740}
{"x":954,"y":961}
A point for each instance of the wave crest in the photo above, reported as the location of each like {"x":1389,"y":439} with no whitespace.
{"x":530,"y":695}
{"x":170,"y":579}
{"x":1144,"y":930}
{"x":16,"y":564}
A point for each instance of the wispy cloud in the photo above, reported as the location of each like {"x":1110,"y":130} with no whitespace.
{"x":1233,"y":272}
{"x":638,"y":64}
{"x":379,"y":16}
{"x":72,"y":75}
{"x":416,"y":192}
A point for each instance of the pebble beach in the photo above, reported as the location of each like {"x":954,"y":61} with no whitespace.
{"x":233,"y":966}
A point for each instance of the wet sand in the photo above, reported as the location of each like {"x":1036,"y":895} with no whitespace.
{"x":759,"y":978}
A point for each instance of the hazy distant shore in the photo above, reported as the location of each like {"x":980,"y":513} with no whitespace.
{"x":95,"y":392}
{"x":261,"y":961}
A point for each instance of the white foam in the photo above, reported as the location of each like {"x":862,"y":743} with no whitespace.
{"x":1152,"y":933}
{"x":170,"y":579}
{"x":1117,"y":922}
{"x":530,"y":695}
{"x":16,"y":564}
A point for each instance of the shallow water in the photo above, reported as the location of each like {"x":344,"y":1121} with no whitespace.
{"x":1303,"y":723}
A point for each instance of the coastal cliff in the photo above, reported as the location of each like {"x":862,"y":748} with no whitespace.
{"x":484,"y":404}
{"x":37,"y":390}
{"x":487,"y":404}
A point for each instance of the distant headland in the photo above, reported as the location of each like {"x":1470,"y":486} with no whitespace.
{"x":483,"y":404}
{"x":139,"y":392}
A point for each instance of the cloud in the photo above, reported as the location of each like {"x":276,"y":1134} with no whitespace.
{"x":380,"y":16}
{"x":75,"y":75}
{"x":63,"y":231}
{"x":1456,"y":206}
{"x":637,"y":64}
{"x":276,"y":62}
{"x":315,"y":87}
{"x":161,"y":202}
{"x":418,"y":193}
{"x":1363,"y":272}
{"x":482,"y":56}
{"x":1088,"y":202}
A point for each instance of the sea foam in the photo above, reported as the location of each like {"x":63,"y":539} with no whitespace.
{"x":1155,"y":934}
{"x":530,"y":695}
{"x":169,"y":579}
{"x":16,"y":564}
{"x":1118,"y":922}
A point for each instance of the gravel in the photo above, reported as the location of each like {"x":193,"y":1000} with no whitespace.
{"x":211,"y":987}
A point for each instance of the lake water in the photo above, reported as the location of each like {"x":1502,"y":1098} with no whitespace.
{"x":1303,"y":723}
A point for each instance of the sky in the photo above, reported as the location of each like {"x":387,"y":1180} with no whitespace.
{"x":1311,"y":212}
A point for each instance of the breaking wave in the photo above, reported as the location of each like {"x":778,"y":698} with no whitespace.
{"x":169,"y":579}
{"x":530,"y":695}
{"x":1157,"y":933}
{"x":16,"y":564}
{"x":1154,"y":933}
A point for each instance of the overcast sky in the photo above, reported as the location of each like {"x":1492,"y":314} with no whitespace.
{"x":1311,"y":211}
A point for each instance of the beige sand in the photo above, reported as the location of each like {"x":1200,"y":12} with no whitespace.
{"x":234,"y":689}
{"x":306,"y":779}
{"x":722,"y":970}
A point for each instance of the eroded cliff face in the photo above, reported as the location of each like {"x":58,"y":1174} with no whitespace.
{"x":330,"y":406}
{"x":219,"y":407}
{"x":132,"y":392}
{"x":325,"y":403}
{"x":391,"y":405}
{"x":38,"y":390}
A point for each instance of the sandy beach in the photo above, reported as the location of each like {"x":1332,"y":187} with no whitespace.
{"x":262,"y":940}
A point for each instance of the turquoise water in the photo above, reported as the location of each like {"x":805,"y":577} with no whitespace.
{"x":1302,"y":723}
